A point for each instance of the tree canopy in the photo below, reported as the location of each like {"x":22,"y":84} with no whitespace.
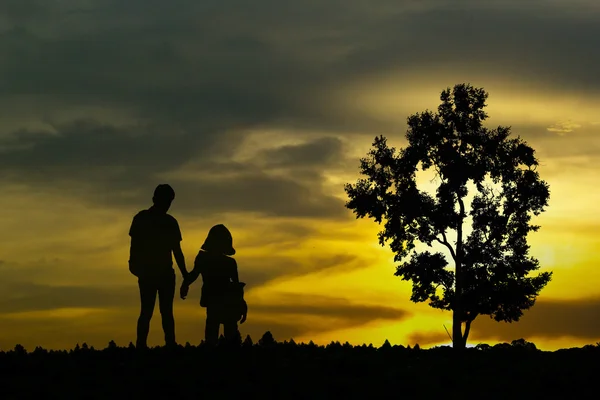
{"x":491,"y":264}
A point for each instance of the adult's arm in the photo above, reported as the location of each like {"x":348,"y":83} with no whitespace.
{"x":180,"y":259}
{"x":177,"y":252}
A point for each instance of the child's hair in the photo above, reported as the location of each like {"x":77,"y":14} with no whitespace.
{"x":219,"y":240}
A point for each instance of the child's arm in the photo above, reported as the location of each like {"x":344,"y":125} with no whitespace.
{"x":193,"y":275}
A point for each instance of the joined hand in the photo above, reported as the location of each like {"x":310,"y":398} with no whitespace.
{"x":183,"y":291}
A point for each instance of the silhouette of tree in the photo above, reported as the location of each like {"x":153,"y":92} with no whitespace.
{"x":483,"y":346}
{"x":267,"y":339}
{"x":524,"y":344}
{"x":248,"y":341}
{"x":386,"y":345}
{"x":491,"y":264}
{"x":20,"y":350}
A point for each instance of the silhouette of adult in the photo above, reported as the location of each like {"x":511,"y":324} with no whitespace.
{"x":222,"y":291}
{"x":155,"y":237}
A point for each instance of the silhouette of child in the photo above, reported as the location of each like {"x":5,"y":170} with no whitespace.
{"x":222,"y":292}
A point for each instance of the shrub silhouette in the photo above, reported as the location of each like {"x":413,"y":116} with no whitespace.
{"x":522,"y":343}
{"x":248,"y":341}
{"x":267,"y":340}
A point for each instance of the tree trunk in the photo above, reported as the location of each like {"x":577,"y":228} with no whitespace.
{"x":467,"y":331}
{"x":458,"y":341}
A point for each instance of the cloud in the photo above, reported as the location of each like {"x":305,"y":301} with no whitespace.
{"x":23,"y":297}
{"x":76,"y":312}
{"x":313,"y":314}
{"x":428,"y":338}
{"x":102,"y":100}
{"x":322,"y":151}
{"x":548,"y":319}
{"x":260,"y":270}
{"x":122,"y":166}
{"x":40,"y":285}
{"x":563,"y":127}
{"x":202,"y":73}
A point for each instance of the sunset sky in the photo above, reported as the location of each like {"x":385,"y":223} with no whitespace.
{"x":257,"y":113}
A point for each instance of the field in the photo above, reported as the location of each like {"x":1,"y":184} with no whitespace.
{"x":300,"y":371}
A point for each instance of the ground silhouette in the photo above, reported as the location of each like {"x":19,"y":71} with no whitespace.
{"x":271,"y":369}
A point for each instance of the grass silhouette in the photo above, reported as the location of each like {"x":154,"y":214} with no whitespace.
{"x":271,"y":369}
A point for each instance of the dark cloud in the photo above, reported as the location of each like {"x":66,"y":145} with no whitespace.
{"x":120,"y":167}
{"x":194,"y":77}
{"x":35,"y":286}
{"x":330,"y":307}
{"x":230,"y":65}
{"x":258,"y":271}
{"x":274,"y":236}
{"x":322,"y":151}
{"x":428,"y":338}
{"x":22,"y":297}
{"x":291,"y":316}
{"x":549,"y":319}
{"x":258,"y":192}
{"x":294,"y":315}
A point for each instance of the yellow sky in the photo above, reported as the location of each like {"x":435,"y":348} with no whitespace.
{"x":69,"y":243}
{"x":258,"y":120}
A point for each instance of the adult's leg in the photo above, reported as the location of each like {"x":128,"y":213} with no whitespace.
{"x":211,"y":331}
{"x":166,"y":295}
{"x":148,"y":300}
{"x":232,"y":334}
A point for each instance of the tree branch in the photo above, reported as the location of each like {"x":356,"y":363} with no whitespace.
{"x":448,"y":245}
{"x":467,"y":329}
{"x":471,"y":318}
{"x":461,"y":204}
{"x":459,"y":239}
